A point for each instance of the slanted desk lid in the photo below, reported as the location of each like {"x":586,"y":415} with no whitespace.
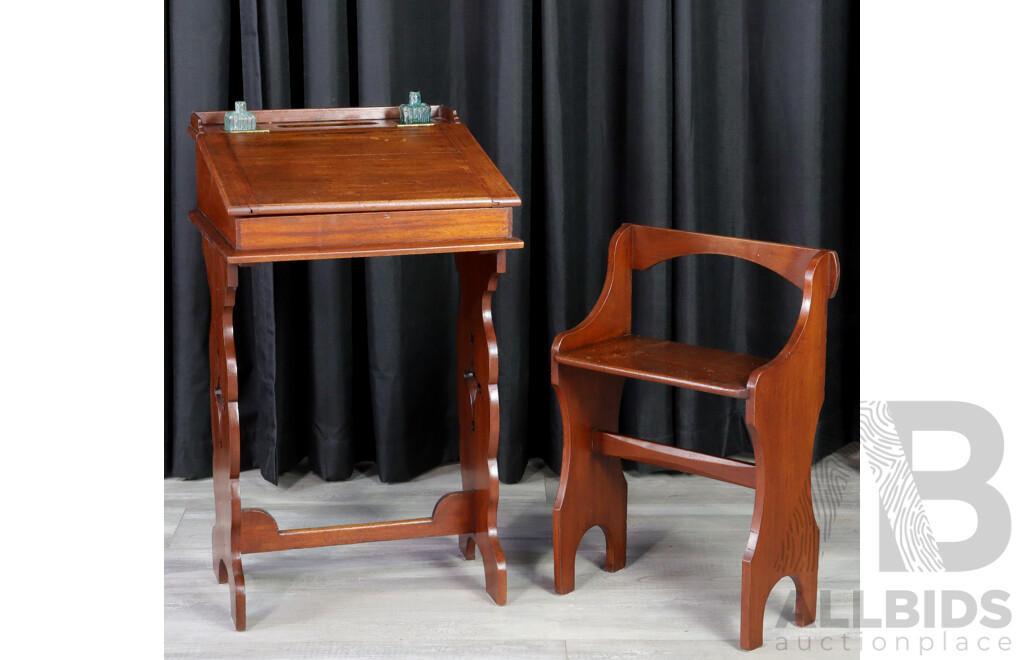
{"x":348,"y":160}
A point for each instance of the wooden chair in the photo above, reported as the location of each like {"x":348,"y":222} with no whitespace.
{"x":590,"y":362}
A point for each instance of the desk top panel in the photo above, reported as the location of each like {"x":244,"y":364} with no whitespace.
{"x":345,"y":160}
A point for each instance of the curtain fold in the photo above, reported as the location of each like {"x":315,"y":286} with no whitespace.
{"x":726,"y":117}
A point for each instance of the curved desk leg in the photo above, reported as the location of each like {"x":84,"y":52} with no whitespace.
{"x":478,"y":410}
{"x":227,"y":550}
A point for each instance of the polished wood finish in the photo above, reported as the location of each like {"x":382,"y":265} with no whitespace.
{"x":784,"y":396}
{"x":592,"y":488}
{"x":322,"y":178}
{"x":243,"y":257}
{"x":342,"y":183}
{"x":666,"y":362}
{"x":652,"y":245}
{"x":348,"y":229}
{"x":452,"y":514}
{"x":477,"y":392}
{"x":227,"y":545}
{"x":344,"y":171}
{"x":729,"y":470}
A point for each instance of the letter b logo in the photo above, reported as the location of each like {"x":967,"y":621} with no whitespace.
{"x":905,"y":534}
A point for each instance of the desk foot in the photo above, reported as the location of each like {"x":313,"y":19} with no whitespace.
{"x":467,"y":546}
{"x":495,"y":574}
{"x":477,"y":389}
{"x":230,"y":572}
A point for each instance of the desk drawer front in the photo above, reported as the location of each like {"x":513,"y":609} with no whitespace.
{"x":339,"y":229}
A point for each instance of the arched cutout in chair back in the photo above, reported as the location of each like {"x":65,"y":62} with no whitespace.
{"x":652,"y":245}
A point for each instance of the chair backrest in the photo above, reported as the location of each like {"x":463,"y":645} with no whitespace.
{"x":638,"y":247}
{"x":652,"y":245}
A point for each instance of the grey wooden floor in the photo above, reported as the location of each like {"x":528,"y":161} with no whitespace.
{"x":679,"y":595}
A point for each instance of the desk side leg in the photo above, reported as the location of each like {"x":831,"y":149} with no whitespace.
{"x":477,"y":388}
{"x":227,"y":547}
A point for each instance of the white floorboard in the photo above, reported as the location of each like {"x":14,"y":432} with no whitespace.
{"x":679,"y":595}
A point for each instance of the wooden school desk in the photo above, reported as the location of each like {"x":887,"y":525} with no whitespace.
{"x":350,"y":182}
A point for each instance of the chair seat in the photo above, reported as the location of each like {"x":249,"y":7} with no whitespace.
{"x":666,"y":362}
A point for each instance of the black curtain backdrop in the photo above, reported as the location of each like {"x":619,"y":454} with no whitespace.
{"x":723,"y":116}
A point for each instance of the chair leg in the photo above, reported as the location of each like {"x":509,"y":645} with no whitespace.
{"x":783,"y":535}
{"x":591,"y":489}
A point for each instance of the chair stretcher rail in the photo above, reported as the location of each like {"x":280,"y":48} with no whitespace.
{"x":684,"y":460}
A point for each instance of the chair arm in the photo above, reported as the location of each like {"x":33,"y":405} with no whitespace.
{"x":611,"y":316}
{"x":805,"y":349}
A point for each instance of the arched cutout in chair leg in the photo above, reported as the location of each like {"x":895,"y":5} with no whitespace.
{"x":572,"y":522}
{"x":591,"y":489}
{"x":757,"y":586}
{"x":783,"y":533}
